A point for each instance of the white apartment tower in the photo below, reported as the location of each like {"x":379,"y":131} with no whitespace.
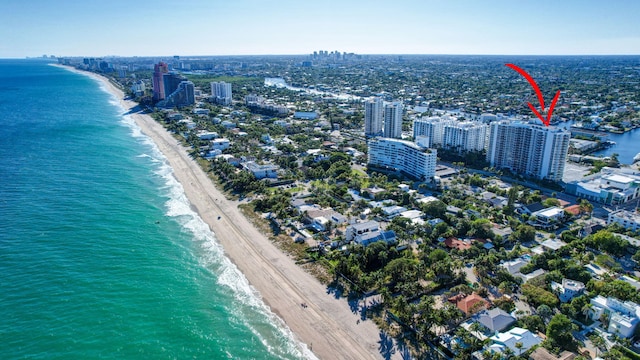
{"x":221,"y":93}
{"x":373,"y":115}
{"x":464,"y":136}
{"x":528,"y":149}
{"x":393,"y":120}
{"x":432,"y":128}
{"x":404,"y":156}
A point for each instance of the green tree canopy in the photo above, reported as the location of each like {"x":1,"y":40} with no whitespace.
{"x":559,"y":333}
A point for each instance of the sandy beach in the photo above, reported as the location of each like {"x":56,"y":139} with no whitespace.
{"x":326,"y":325}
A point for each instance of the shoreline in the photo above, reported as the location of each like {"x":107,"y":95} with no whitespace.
{"x":328,"y":326}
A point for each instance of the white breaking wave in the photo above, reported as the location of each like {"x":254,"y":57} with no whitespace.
{"x":228,"y":275}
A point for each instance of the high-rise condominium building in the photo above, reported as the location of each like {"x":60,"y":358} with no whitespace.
{"x":373,"y":115}
{"x":404,"y":156}
{"x":171,"y":81}
{"x":432,"y":128}
{"x":184,"y":95}
{"x":393,"y":120}
{"x":159,"y":69}
{"x":528,"y":149}
{"x":221,"y":93}
{"x":465,"y":136}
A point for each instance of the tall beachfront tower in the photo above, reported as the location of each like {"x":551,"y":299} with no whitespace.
{"x":171,"y":82}
{"x":159,"y":69}
{"x":393,"y":120}
{"x":373,"y":115}
{"x":221,"y":93}
{"x":528,"y":149}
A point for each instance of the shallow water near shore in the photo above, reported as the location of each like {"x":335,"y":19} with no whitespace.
{"x":100,"y":252}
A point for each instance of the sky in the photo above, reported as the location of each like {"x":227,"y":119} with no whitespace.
{"x":258,"y":27}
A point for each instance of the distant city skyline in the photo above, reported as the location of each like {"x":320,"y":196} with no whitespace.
{"x":288,"y":27}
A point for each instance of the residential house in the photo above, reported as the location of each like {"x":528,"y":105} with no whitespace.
{"x":574,"y":210}
{"x":513,"y":266}
{"x":505,"y":232}
{"x":373,"y":193}
{"x":472,"y":304}
{"x":404,"y":187}
{"x":532,"y":275}
{"x":553,"y":244}
{"x":568,"y":289}
{"x":207,"y":135}
{"x":530,"y":209}
{"x":623,"y":315}
{"x":453,"y":210}
{"x":414,"y":215}
{"x":319,"y":219}
{"x":305,"y":208}
{"x":230,"y":159}
{"x":495,"y":320}
{"x":261,"y":171}
{"x":494,"y":200}
{"x":548,"y":217}
{"x":356,"y":229}
{"x":427,"y":199}
{"x":627,"y":219}
{"x":367,"y":238}
{"x":220,"y":144}
{"x":455,"y":243}
{"x":392,"y":211}
{"x":510,"y":338}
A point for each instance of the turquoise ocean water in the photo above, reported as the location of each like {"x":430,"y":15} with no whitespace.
{"x":100,"y":253}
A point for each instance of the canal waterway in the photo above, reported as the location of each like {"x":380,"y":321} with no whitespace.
{"x":627,"y":144}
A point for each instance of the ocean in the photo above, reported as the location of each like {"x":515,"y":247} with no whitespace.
{"x":101,"y":255}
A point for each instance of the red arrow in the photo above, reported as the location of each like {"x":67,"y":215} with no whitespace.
{"x":540,"y":97}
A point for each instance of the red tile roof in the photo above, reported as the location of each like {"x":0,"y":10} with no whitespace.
{"x":455,"y":243}
{"x":472,"y":304}
{"x":573,"y":209}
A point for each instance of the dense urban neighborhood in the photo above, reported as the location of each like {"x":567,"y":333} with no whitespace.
{"x":425,"y":191}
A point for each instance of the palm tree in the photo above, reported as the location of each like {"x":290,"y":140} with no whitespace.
{"x":597,"y":341}
{"x":586,"y":207}
{"x":507,"y":352}
{"x":586,"y":309}
{"x":519,"y":346}
{"x":476,"y":327}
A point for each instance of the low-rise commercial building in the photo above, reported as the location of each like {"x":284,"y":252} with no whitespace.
{"x":610,"y":186}
{"x":627,"y":219}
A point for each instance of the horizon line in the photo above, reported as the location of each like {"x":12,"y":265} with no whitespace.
{"x":308,"y":54}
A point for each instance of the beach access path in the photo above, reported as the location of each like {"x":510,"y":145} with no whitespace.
{"x":328,"y":326}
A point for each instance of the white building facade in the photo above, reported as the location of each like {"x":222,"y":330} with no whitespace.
{"x":432,"y":128}
{"x":528,"y":149}
{"x":623,"y":316}
{"x":404,"y":156}
{"x":373,"y":116}
{"x":464,"y":136}
{"x":393,"y":120}
{"x":609,"y":186}
{"x":221,"y":92}
{"x":627,"y":219}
